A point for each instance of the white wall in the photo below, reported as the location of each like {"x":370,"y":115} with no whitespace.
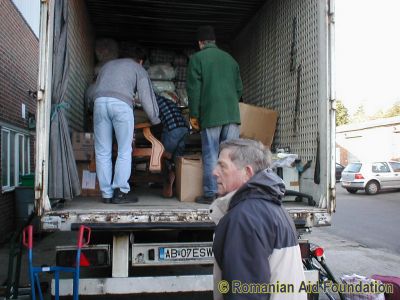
{"x":369,"y":144}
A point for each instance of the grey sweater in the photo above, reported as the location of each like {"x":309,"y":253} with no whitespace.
{"x":121,"y":78}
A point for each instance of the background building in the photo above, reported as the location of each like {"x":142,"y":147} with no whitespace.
{"x":370,"y":141}
{"x":19,"y":56}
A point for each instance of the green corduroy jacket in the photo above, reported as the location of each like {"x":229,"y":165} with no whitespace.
{"x":214,"y":87}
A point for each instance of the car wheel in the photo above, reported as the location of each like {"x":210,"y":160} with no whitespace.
{"x":372,"y":188}
{"x":351,"y":191}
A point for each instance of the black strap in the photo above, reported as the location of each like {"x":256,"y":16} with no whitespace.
{"x":297,"y":102}
{"x":317,"y":171}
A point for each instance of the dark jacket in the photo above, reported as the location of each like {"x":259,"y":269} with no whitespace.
{"x":214,"y":87}
{"x":170,"y":115}
{"x":256,"y":241}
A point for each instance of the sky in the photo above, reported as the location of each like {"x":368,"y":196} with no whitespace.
{"x":30,"y":10}
{"x":367,"y":35}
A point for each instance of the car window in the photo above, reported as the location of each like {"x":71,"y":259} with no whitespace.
{"x":353,"y":168}
{"x":395,"y":166}
{"x":380,"y":167}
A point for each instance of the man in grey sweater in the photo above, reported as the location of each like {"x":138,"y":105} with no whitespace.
{"x":114,"y":91}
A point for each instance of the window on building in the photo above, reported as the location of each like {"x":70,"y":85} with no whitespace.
{"x":15,"y":157}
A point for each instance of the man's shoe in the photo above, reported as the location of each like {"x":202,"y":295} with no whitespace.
{"x":121,"y":197}
{"x":106,"y":200}
{"x":205,"y":199}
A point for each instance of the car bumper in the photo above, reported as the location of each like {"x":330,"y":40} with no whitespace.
{"x":352,"y":185}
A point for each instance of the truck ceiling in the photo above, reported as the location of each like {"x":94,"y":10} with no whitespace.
{"x":169,"y":23}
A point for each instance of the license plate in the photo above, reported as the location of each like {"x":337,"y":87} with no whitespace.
{"x":345,"y":183}
{"x":185,"y":253}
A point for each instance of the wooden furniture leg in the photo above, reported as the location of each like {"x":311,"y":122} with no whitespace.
{"x":155,"y":152}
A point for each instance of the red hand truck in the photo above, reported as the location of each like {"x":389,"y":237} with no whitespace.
{"x":27,"y":240}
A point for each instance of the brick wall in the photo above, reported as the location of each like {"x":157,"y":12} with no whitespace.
{"x":19,"y":56}
{"x":7,"y":214}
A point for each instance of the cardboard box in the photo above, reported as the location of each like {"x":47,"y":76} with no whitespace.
{"x":189,"y":178}
{"x":290,"y":177}
{"x":257,"y":123}
{"x":88,"y":179}
{"x":83,"y":145}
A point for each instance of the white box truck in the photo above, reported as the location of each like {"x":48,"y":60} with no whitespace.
{"x":285,"y":52}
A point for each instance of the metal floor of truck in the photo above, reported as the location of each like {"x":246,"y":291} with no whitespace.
{"x":149,"y":198}
{"x":152,"y":209}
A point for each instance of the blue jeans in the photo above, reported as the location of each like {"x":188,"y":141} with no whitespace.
{"x":210,"y":140}
{"x":111,"y":113}
{"x":174,"y":141}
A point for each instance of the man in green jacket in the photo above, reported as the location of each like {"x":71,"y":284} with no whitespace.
{"x":214,"y":88}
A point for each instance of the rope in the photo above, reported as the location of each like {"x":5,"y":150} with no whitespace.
{"x":57,"y":108}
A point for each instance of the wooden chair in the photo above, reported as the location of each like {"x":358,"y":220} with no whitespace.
{"x":155,"y":155}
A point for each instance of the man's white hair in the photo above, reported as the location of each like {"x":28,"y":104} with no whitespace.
{"x":248,"y":152}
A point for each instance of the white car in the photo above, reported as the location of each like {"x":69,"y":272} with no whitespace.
{"x":371,"y":177}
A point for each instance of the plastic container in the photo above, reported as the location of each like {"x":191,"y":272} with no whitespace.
{"x":24,"y":203}
{"x":28,"y":180}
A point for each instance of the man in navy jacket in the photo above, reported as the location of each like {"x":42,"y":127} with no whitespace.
{"x":255,"y":242}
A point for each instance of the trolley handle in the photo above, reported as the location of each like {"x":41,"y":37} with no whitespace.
{"x":27,"y":233}
{"x":81,"y":237}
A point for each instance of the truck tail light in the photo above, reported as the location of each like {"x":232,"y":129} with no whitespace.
{"x":84,"y":262}
{"x":91,"y":256}
{"x":358,"y":176}
{"x":318,"y":252}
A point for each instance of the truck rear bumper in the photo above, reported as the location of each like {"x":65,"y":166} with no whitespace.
{"x":146,"y":285}
{"x":137,"y":285}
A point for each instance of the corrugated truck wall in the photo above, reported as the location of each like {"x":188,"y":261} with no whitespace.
{"x":81,"y":54}
{"x":264,"y":51}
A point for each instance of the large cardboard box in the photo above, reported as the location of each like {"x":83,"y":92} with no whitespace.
{"x":189,"y":178}
{"x":88,"y":179}
{"x":83,"y":145}
{"x":257,"y":123}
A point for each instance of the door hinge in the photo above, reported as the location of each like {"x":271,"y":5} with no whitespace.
{"x":40,"y":94}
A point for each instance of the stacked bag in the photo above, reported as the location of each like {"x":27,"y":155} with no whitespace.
{"x":162,"y":75}
{"x":166,"y":69}
{"x":105,"y":50}
{"x":168,"y":74}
